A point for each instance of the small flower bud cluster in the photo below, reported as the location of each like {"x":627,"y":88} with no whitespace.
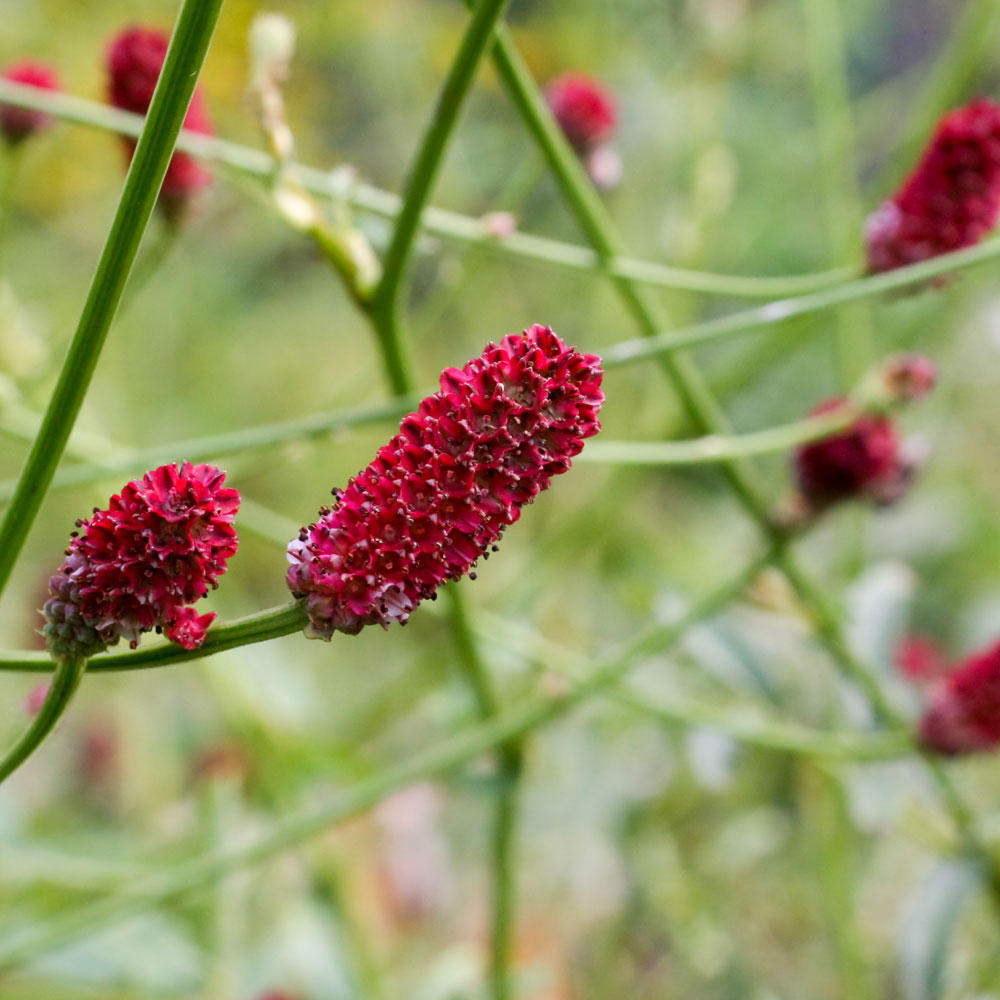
{"x":952,"y":198}
{"x":962,"y":714}
{"x":442,"y":491}
{"x":137,"y":566}
{"x":588,"y":115}
{"x":867,"y":459}
{"x":17,"y":124}
{"x":134,"y":60}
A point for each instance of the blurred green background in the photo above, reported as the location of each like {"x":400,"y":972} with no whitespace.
{"x":655,"y":861}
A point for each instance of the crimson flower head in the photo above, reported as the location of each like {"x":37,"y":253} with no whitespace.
{"x":134,"y":60}
{"x":864,"y":460}
{"x":952,"y":198}
{"x":584,"y":108}
{"x":962,"y":713}
{"x":140,"y":564}
{"x":442,"y":491}
{"x":16,"y":123}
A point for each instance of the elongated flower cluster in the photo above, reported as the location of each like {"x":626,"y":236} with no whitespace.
{"x":140,"y":564}
{"x":134,"y":60}
{"x":952,"y":198}
{"x":962,"y":714}
{"x":442,"y":491}
{"x":16,"y":124}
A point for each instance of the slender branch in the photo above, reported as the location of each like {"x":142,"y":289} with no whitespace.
{"x":176,"y":881}
{"x":181,"y":66}
{"x":838,"y":171}
{"x":259,"y":627}
{"x":423,"y":174}
{"x":21,"y":421}
{"x":437,"y":221}
{"x":630,"y":351}
{"x":64,"y":683}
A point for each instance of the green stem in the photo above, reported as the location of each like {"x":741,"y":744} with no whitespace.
{"x":441,"y":758}
{"x":437,"y":221}
{"x":385,"y":302}
{"x":181,"y":66}
{"x":630,"y":351}
{"x":64,"y":683}
{"x":259,"y":627}
{"x":703,"y":408}
{"x":838,"y":166}
{"x":19,"y":422}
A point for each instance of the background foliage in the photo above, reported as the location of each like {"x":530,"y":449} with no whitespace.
{"x":654,"y":859}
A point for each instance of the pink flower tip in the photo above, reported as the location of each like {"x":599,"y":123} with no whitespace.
{"x":162,"y":543}
{"x":440,"y":494}
{"x":134,"y":60}
{"x":950,"y":200}
{"x":962,"y":713}
{"x":864,"y":460}
{"x":17,"y":124}
{"x":188,"y":629}
{"x":585,"y":109}
{"x":909,"y":377}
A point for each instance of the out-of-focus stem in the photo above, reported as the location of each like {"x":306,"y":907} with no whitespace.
{"x":184,"y":57}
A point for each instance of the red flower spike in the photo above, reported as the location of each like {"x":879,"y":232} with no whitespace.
{"x":863,"y":460}
{"x":443,"y":490}
{"x":134,"y":60}
{"x":17,"y":124}
{"x":952,"y":198}
{"x":962,"y":714}
{"x":584,"y":108}
{"x":137,"y":566}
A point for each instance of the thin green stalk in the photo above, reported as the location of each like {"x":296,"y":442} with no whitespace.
{"x":436,"y":221}
{"x":21,"y":421}
{"x":64,"y":683}
{"x":705,"y":411}
{"x":385,"y":305}
{"x":181,"y":66}
{"x":258,"y":627}
{"x":838,"y":171}
{"x":717,"y":447}
{"x":629,"y":352}
{"x":177,"y":880}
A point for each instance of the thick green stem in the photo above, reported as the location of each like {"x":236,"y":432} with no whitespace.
{"x":64,"y":683}
{"x":385,"y":304}
{"x":436,"y":221}
{"x":185,"y":55}
{"x":441,"y":758}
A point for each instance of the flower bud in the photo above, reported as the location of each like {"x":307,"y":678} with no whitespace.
{"x":134,"y":60}
{"x":962,"y":713}
{"x":17,"y":124}
{"x":584,"y":108}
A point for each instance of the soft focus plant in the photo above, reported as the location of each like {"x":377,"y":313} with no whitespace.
{"x":596,"y":569}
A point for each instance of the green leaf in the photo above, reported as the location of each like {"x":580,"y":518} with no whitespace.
{"x":928,"y":925}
